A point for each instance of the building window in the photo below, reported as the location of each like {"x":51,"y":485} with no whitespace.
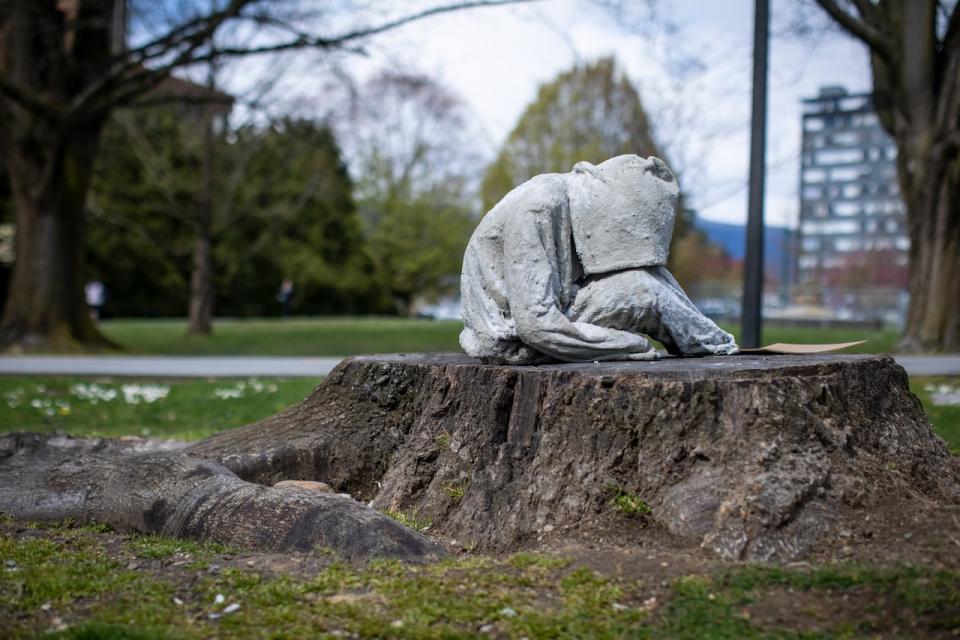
{"x":842,"y":174}
{"x":846,"y":244}
{"x":853,"y":104}
{"x":829,"y":227}
{"x":837,"y":156}
{"x":846,"y":209}
{"x":845,"y":138}
{"x":814,"y":175}
{"x":813,"y":124}
{"x":812,"y":193}
{"x":851,"y":190}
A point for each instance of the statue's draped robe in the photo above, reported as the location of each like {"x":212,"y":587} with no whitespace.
{"x":520,"y":275}
{"x":526,"y":299}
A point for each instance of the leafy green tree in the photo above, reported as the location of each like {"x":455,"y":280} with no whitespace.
{"x":591,"y":112}
{"x":412,"y":156}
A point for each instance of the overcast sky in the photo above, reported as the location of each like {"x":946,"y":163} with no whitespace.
{"x":496,"y":58}
{"x":692,"y":68}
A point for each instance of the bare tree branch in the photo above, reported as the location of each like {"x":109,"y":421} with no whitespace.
{"x":145,"y":79}
{"x":874,"y":38}
{"x":131,"y":78}
{"x":33,"y":104}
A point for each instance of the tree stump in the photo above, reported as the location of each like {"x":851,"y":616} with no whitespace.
{"x":751,"y":457}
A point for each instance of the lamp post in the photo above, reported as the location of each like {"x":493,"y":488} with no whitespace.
{"x":753,"y":263}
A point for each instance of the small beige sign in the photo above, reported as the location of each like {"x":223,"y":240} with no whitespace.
{"x":799,"y":349}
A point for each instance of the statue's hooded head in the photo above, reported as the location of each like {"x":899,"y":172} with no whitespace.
{"x":622,"y":212}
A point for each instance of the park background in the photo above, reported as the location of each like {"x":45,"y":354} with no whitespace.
{"x":358,"y":171}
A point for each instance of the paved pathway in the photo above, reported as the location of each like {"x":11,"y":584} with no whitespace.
{"x":169,"y":366}
{"x":294,"y":367}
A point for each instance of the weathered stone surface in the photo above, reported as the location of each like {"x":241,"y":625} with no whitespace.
{"x":750,"y":456}
{"x":758,"y":457}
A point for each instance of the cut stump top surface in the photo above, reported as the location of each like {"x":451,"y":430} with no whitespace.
{"x":670,"y":367}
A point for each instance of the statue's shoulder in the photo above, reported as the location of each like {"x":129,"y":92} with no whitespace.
{"x":545,"y":191}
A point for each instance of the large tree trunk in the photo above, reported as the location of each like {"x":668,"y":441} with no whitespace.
{"x":760,"y":457}
{"x":931,"y":188}
{"x":916,"y":81}
{"x":201,"y":279}
{"x":915,"y":58}
{"x":49,"y":174}
{"x":52,"y":56}
{"x":201,"y":284}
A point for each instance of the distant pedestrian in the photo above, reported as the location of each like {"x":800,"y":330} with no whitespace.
{"x":96,"y":295}
{"x":285,"y":295}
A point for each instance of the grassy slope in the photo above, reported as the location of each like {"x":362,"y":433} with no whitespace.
{"x":336,"y":336}
{"x":87,"y":582}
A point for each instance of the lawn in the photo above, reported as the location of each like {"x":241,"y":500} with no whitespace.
{"x":331,"y":336}
{"x":178,"y":409}
{"x":341,"y":336}
{"x":64,"y":581}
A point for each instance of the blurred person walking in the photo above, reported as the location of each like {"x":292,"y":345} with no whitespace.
{"x":285,"y":296}
{"x":96,"y":295}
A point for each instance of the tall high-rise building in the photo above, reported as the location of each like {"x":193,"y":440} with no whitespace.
{"x":853,"y":237}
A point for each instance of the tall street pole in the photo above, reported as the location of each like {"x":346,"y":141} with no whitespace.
{"x":753,"y":264}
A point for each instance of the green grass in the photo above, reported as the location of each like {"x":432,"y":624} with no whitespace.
{"x":334,"y":336}
{"x":82,"y":582}
{"x":878,"y":341}
{"x":190,"y":409}
{"x":340,"y":336}
{"x":945,"y":419}
{"x":411,"y":520}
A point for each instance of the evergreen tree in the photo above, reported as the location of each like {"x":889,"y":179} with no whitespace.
{"x":284,"y":209}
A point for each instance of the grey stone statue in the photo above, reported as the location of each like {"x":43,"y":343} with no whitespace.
{"x":571,"y":267}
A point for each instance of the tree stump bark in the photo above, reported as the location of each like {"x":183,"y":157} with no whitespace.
{"x":751,"y":457}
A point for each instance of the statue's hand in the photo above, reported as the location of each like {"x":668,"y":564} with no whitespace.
{"x":726,"y":347}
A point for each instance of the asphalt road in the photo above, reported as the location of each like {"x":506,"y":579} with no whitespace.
{"x":295,"y":367}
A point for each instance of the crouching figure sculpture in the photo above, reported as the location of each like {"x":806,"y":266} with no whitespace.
{"x":571,"y":267}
